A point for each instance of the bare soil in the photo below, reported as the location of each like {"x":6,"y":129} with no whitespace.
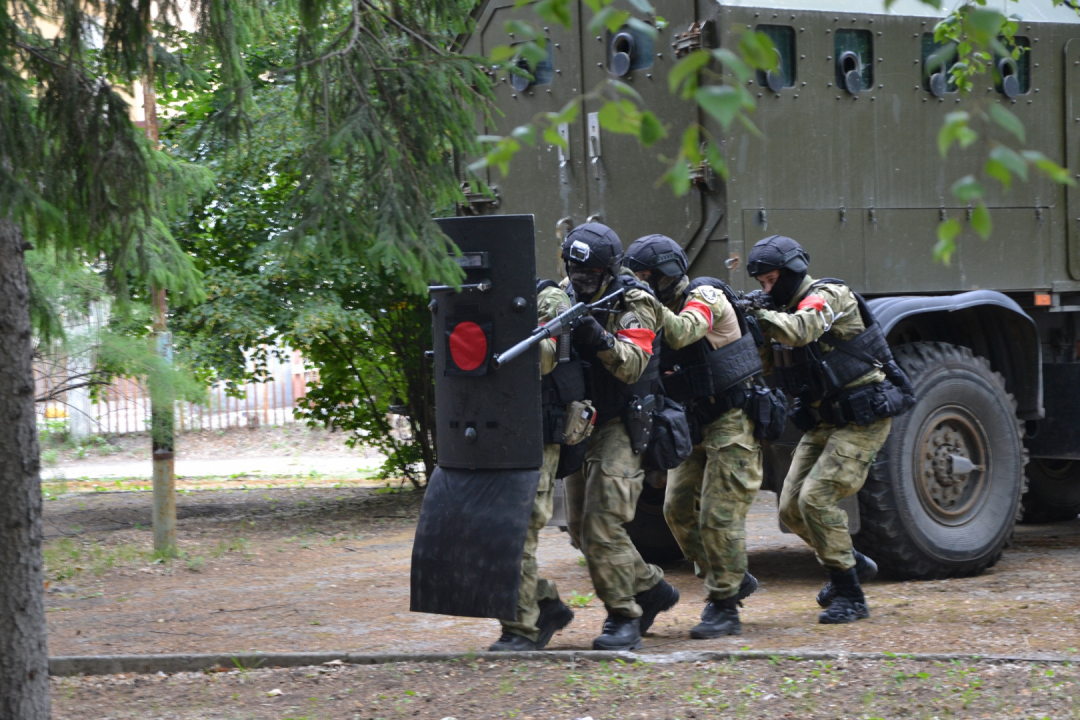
{"x":328,"y":569}
{"x":784,"y":687}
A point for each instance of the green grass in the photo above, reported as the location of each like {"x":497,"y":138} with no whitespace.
{"x":67,"y":558}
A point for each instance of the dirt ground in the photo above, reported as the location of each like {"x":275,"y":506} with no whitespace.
{"x":782,"y":687}
{"x":328,"y":569}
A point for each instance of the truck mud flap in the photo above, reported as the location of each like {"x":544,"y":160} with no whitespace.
{"x":466,"y":558}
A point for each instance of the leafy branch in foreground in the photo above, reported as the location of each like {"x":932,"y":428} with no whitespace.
{"x":971,"y":37}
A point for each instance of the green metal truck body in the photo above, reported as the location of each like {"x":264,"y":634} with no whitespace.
{"x":847,"y":164}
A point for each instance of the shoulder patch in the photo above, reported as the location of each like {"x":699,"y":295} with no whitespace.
{"x":629,"y":321}
{"x":708,"y":293}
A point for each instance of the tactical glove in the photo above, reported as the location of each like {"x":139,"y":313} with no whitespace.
{"x":591,"y":334}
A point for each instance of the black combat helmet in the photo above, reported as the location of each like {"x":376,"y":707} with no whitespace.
{"x":784,"y":254}
{"x":587,"y":249}
{"x":664,"y":258}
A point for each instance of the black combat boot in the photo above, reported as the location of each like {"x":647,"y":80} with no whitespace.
{"x":554,"y":616}
{"x":660,"y":597}
{"x":512,"y":642}
{"x":720,"y":617}
{"x":620,"y":633}
{"x":849,"y":603}
{"x":746,"y":588}
{"x":864,"y":567}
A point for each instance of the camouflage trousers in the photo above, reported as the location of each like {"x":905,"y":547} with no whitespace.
{"x":599,"y":499}
{"x":829,"y":465}
{"x":708,"y":497}
{"x":534,"y":588}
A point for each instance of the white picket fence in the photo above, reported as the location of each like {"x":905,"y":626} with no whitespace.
{"x":124,"y":406}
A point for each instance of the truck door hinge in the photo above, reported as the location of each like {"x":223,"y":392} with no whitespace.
{"x":476,"y":202}
{"x":700,"y":35}
{"x":703,"y":177}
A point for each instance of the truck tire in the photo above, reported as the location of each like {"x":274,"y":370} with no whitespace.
{"x":919,"y":519}
{"x":649,"y":530}
{"x":1053,"y":491}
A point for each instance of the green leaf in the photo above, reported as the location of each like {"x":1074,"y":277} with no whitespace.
{"x":1049,"y":168}
{"x":568,"y":114}
{"x":758,"y":50}
{"x":642,"y":27}
{"x":734,"y":63}
{"x":610,"y":18}
{"x":1008,"y":121}
{"x":620,"y":117}
{"x":722,"y":102}
{"x":686,"y":70}
{"x":955,"y":129}
{"x":518,"y":27}
{"x":999,"y":172}
{"x":624,"y":89}
{"x":501,"y":53}
{"x":1010,"y":160}
{"x":967,"y":189}
{"x":651,"y":130}
{"x":690,"y":143}
{"x":556,"y":11}
{"x":716,"y":159}
{"x":678,"y":176}
{"x":983,"y":24}
{"x":643,"y":6}
{"x":981,"y":222}
{"x":525,"y":133}
{"x":552,"y":137}
{"x":532,"y":53}
{"x":947,"y":231}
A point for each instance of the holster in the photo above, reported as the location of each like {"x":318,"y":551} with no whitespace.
{"x":639,"y":422}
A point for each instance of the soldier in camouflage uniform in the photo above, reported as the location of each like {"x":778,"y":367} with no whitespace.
{"x":540,"y":612}
{"x":709,"y":494}
{"x":819,"y":323}
{"x":621,"y":349}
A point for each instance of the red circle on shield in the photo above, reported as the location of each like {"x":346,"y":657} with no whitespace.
{"x":468,"y":345}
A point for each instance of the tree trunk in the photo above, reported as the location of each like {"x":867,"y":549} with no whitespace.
{"x":24,"y":660}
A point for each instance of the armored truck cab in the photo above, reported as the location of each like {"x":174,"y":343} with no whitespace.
{"x":847,"y":164}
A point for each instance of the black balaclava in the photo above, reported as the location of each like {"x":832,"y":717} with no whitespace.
{"x":587,"y":248}
{"x":784,"y":254}
{"x":665,"y":261}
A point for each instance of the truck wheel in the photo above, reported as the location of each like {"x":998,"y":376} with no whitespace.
{"x":649,"y":530}
{"x":943,"y":495}
{"x":1053,"y":491}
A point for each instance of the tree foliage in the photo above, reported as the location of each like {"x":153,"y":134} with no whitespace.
{"x":270,"y":285}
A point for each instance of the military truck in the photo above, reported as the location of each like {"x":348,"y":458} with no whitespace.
{"x":848,"y":166}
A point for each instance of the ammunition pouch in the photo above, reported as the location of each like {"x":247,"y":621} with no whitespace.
{"x":813,"y":375}
{"x":853,"y":406}
{"x":638,"y":416}
{"x":671,"y":442}
{"x":565,"y":384}
{"x":768,"y":409}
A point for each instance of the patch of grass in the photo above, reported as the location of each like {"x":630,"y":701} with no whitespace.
{"x":196,"y":564}
{"x":578,"y":600}
{"x":67,"y":558}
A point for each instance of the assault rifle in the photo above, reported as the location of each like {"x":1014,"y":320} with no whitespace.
{"x":560,"y":325}
{"x":755,"y":300}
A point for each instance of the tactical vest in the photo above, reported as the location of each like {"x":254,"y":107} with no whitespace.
{"x":609,"y":395}
{"x":819,"y":380}
{"x":699,"y":371}
{"x":560,"y":387}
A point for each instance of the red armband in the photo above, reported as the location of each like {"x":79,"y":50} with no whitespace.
{"x":699,"y":307}
{"x":812,"y":302}
{"x":642,"y":337}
